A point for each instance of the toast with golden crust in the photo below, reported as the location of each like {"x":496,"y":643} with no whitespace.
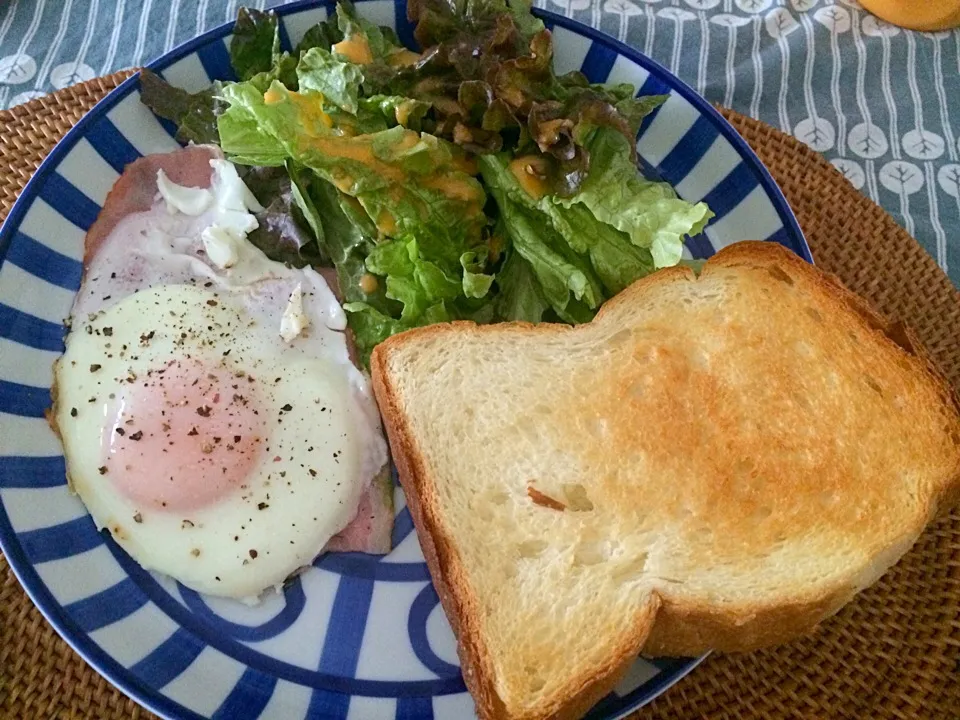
{"x":714,"y":462}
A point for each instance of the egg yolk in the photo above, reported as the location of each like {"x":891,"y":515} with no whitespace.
{"x":182,"y":437}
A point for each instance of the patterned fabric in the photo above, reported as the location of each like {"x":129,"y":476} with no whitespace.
{"x":881,"y":103}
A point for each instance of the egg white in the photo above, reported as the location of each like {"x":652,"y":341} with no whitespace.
{"x":319,"y":454}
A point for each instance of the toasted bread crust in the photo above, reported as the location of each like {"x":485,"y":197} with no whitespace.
{"x":455,"y":596}
{"x":670,"y":627}
{"x":438,"y":551}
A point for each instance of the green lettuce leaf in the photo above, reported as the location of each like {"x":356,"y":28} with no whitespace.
{"x":576,"y":260}
{"x":411,"y":185}
{"x":649,"y":212}
{"x":410,"y":279}
{"x":195,"y":114}
{"x":406,"y":199}
{"x":353,"y":210}
{"x":520,"y":295}
{"x":476,"y":282}
{"x":255,"y":43}
{"x":284,"y":69}
{"x":338,"y":81}
{"x":394,"y":110}
{"x":370,"y":326}
{"x":344,"y":241}
{"x":255,"y":50}
{"x":635,"y":109}
{"x":283,"y":232}
{"x":240,"y":131}
{"x":524,"y":19}
{"x":567,"y":281}
{"x":564,"y":276}
{"x":380,"y":41}
{"x":615,"y":260}
{"x":372,"y":316}
{"x":325,"y":34}
{"x":301,"y":198}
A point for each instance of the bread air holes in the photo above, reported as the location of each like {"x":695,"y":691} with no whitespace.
{"x":597,"y":427}
{"x":486,"y":505}
{"x":760,"y":513}
{"x":828,"y":497}
{"x":742,"y":476}
{"x":629,"y":569}
{"x":591,"y":552}
{"x":802,"y":401}
{"x":483,"y":512}
{"x":577,"y":498}
{"x":814,"y":314}
{"x":530,"y":549}
{"x":873,"y":385}
{"x":529,"y":432}
{"x":704,"y":534}
{"x":779,"y":275}
{"x":499,"y":497}
{"x":535,"y":681}
{"x":699,"y":359}
{"x":646,"y":354}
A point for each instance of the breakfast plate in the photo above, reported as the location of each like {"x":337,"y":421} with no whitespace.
{"x":353,"y":636}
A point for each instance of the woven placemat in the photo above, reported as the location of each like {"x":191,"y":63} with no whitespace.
{"x":892,"y":653}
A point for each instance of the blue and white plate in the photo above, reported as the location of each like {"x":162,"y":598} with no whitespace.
{"x":354,"y":636}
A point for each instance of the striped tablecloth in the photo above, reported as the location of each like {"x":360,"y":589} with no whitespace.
{"x":882,"y":104}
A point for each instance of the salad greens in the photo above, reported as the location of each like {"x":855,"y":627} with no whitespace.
{"x":467,"y":181}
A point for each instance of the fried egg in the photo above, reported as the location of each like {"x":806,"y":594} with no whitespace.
{"x":211,"y":417}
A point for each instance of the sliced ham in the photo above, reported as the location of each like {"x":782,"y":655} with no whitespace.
{"x":136,"y":189}
{"x":371,"y":530}
{"x":135,"y":192}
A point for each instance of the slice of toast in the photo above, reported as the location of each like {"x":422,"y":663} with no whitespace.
{"x":712,"y":463}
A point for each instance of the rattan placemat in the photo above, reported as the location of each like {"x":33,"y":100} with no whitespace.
{"x":893,"y":653}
